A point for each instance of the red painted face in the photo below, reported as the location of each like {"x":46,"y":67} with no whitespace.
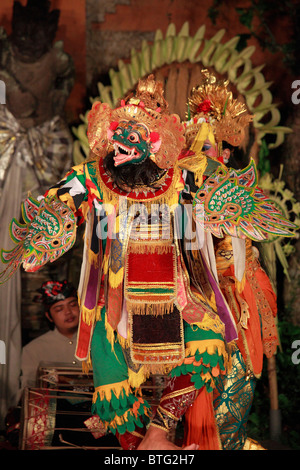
{"x":211,"y":150}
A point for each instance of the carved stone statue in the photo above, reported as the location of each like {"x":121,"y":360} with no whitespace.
{"x":35,"y":146}
{"x":38,"y":77}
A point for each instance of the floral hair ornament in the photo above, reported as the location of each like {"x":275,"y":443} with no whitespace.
{"x":54,"y":291}
{"x":143,"y":113}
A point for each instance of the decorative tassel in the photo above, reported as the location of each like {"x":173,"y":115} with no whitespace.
{"x":87,"y":365}
{"x":124,"y":342}
{"x":210,"y":346}
{"x":110,"y":333}
{"x":157,"y":369}
{"x":145,"y":246}
{"x":98,"y":313}
{"x":115,"y":279}
{"x":240,"y":285}
{"x":105,"y":264}
{"x":93,"y":258}
{"x":105,"y":391}
{"x":159,"y":308}
{"x":136,"y":379}
{"x":88,"y":315}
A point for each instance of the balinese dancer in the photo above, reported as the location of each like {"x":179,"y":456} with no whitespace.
{"x":149,"y":302}
{"x":216,"y":124}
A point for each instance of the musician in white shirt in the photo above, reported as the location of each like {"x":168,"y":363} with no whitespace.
{"x":57,"y":345}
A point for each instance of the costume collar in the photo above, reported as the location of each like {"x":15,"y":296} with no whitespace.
{"x":166,"y":193}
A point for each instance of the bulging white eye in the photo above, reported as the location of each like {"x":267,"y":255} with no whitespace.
{"x":133,"y":137}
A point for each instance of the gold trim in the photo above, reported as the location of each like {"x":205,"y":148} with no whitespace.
{"x":160,"y":427}
{"x":159,"y":354}
{"x":209,"y":345}
{"x":160,"y":411}
{"x":156,"y":345}
{"x":142,"y":283}
{"x":105,"y":391}
{"x":180,"y":353}
{"x":178,"y":393}
{"x":169,"y":196}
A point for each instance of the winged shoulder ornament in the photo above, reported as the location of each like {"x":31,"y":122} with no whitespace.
{"x":49,"y":231}
{"x":234,"y":205}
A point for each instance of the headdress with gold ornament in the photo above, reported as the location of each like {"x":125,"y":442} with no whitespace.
{"x":211,"y":103}
{"x":147,"y":106}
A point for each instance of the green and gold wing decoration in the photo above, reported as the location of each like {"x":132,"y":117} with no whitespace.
{"x":229,"y":202}
{"x":49,"y":231}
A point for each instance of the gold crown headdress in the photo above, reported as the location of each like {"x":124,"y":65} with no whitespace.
{"x":150,"y":93}
{"x":147,"y":106}
{"x":211,"y":102}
